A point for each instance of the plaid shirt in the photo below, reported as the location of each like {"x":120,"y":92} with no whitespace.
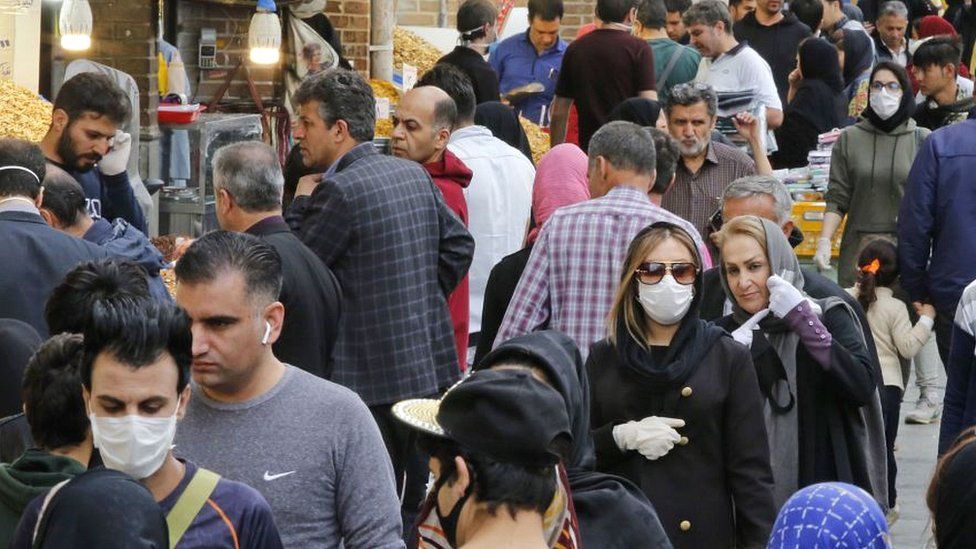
{"x":696,"y":196}
{"x":397,"y":250}
{"x":574,"y":270}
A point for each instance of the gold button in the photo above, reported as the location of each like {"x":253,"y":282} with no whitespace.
{"x":683,"y":441}
{"x":685,"y":526}
{"x":686,"y":392}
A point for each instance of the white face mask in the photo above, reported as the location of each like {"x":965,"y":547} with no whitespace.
{"x":884,"y":103}
{"x":666,"y":302}
{"x":133,"y":444}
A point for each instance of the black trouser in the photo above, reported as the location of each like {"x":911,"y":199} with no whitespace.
{"x":409,"y":464}
{"x":943,"y":334}
{"x":891,"y":407}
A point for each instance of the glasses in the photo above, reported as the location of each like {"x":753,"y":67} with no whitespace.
{"x":652,"y":273}
{"x":893,"y":87}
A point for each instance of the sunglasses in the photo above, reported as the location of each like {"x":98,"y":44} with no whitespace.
{"x":652,"y":273}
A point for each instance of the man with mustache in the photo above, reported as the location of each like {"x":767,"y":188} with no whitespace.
{"x":776,"y":36}
{"x":85,"y":134}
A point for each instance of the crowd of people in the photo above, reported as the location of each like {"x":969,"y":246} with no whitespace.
{"x":452,"y":346}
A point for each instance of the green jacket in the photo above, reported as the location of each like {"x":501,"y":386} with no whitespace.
{"x":21,"y":481}
{"x":868,"y":169}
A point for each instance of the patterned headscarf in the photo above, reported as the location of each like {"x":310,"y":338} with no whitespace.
{"x":830,"y":515}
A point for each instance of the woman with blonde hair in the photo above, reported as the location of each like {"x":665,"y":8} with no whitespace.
{"x":675,"y":404}
{"x":822,"y":409}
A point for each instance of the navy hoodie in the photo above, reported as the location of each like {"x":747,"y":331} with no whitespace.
{"x":108,"y":196}
{"x":121,"y":239}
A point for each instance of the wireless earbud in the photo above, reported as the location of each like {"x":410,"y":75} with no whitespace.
{"x":267,"y":333}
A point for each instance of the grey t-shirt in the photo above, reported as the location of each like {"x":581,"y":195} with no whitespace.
{"x":314,"y":452}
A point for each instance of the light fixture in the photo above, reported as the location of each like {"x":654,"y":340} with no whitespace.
{"x":264,"y":34}
{"x":75,"y":25}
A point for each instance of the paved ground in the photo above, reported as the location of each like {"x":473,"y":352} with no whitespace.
{"x":917,"y":447}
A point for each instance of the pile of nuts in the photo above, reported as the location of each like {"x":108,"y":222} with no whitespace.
{"x":24,"y":115}
{"x":414,"y":50}
{"x":538,"y":139}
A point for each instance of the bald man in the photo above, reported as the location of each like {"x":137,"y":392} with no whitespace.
{"x":422,"y":126}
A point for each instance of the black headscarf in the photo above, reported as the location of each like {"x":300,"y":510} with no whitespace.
{"x":18,"y":341}
{"x":858,"y":54}
{"x":907,"y":107}
{"x":689,"y":345}
{"x":102,"y":508}
{"x":820,"y":98}
{"x":955,"y":504}
{"x":640,"y":111}
{"x":504,"y":124}
{"x":612,"y":512}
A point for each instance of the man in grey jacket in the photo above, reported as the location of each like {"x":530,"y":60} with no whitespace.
{"x":308,"y":445}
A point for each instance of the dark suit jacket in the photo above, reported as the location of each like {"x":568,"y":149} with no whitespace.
{"x":312,"y":300}
{"x":382,"y":227}
{"x":35,"y":260}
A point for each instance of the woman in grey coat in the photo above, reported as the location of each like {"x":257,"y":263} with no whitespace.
{"x":868,"y":168}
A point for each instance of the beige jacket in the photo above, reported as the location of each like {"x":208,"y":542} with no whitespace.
{"x":894,"y":335}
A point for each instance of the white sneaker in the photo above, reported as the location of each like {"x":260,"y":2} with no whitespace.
{"x":925,"y":412}
{"x":893,"y":515}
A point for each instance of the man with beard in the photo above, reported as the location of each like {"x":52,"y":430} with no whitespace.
{"x":84,"y":134}
{"x":706,"y":167}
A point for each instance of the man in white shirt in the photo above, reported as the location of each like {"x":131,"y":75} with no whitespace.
{"x":500,"y":194}
{"x":727,"y":65}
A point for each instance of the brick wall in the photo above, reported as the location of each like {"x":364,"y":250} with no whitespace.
{"x":351,"y":19}
{"x":424,"y":13}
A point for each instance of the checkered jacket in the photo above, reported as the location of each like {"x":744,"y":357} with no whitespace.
{"x":382,"y":227}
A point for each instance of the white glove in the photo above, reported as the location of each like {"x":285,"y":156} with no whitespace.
{"x":743,"y":334}
{"x":117,"y":159}
{"x":783,"y":296}
{"x":652,"y":436}
{"x":822,"y":256}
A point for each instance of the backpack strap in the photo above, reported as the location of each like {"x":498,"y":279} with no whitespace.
{"x":188,"y":506}
{"x":669,"y":68}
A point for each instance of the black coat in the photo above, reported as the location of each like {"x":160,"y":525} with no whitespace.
{"x":720,"y":480}
{"x":35,"y":260}
{"x":483,"y":77}
{"x":312,"y":300}
{"x":501,"y":285}
{"x":831,"y":432}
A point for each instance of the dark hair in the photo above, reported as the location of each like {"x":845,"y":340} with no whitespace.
{"x":445,"y":114}
{"x":63,"y":196}
{"x":708,"y":13}
{"x":938,"y":50}
{"x":218,"y":252}
{"x":138,"y":336}
{"x":342,"y":95}
{"x":95,"y":93}
{"x":951,"y":487}
{"x":454,"y":83}
{"x":493,"y":483}
{"x":625,"y":145}
{"x":546,"y":10}
{"x":809,"y":12}
{"x":474,"y":14}
{"x":885,"y":252}
{"x":614,"y":11}
{"x":51,"y":393}
{"x":679,"y":6}
{"x":668,"y":153}
{"x":16,"y":182}
{"x":112,"y":280}
{"x":652,"y":14}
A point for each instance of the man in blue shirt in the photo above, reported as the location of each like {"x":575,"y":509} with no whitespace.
{"x":532,"y":57}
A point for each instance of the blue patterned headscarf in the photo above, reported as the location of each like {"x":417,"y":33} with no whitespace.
{"x":830,"y":515}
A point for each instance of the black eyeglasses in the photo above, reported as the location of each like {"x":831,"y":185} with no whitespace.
{"x":652,"y":273}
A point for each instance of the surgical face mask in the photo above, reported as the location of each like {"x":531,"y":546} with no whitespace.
{"x":666,"y":302}
{"x":885,"y":103}
{"x":133,"y":444}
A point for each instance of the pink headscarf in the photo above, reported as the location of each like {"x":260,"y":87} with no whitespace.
{"x":560,"y":180}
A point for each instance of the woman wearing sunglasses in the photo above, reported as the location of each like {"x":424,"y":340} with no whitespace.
{"x":820,"y":394}
{"x":675,"y":404}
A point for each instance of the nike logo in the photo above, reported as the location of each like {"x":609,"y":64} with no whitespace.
{"x":269,"y":477}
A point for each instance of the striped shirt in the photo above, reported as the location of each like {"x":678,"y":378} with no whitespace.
{"x":574,"y":270}
{"x":696,"y":196}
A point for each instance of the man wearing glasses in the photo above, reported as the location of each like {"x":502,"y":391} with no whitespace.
{"x":570,"y":279}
